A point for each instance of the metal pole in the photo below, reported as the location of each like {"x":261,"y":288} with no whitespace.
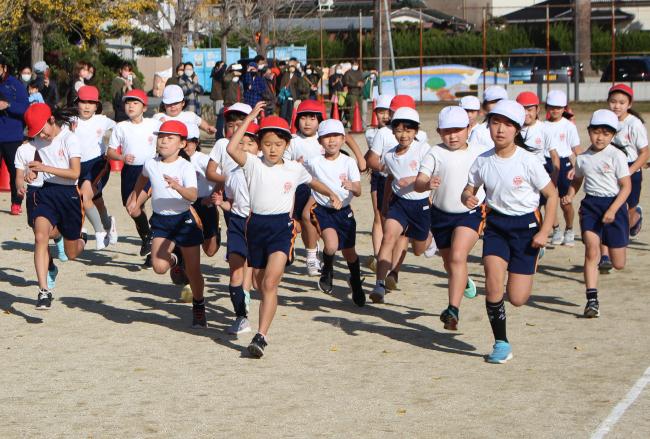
{"x":360,"y":41}
{"x":484,"y":48}
{"x":613,"y":43}
{"x":322,"y":61}
{"x":275,"y":40}
{"x":421,"y":56}
{"x":548,"y":48}
{"x":381,"y":44}
{"x":390,"y":44}
{"x":577,"y":55}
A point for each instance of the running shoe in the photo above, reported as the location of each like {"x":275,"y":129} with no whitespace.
{"x":431,"y":250}
{"x":257,"y":346}
{"x":44,"y":300}
{"x":470,"y":289}
{"x":177,"y":272}
{"x":101,"y":240}
{"x":60,"y":249}
{"x":325,"y":281}
{"x":313,"y":267}
{"x":378,"y":293}
{"x":358,"y":296}
{"x":605,"y":265}
{"x":112,"y":233}
{"x":591,"y":309}
{"x":145,"y":247}
{"x":450,"y":319}
{"x":16,"y":209}
{"x":635,"y":229}
{"x":391,"y":281}
{"x":241,"y":325}
{"x":501,"y":352}
{"x":569,"y":239}
{"x":198,"y":315}
{"x":558,"y":236}
{"x":52,"y":273}
{"x":147,"y":265}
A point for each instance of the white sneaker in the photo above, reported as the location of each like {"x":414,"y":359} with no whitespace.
{"x":378,"y":293}
{"x":431,"y":250}
{"x":112,"y":233}
{"x":558,"y":237}
{"x":569,"y":238}
{"x":313,"y":267}
{"x":101,"y":239}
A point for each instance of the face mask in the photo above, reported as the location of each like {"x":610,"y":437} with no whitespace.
{"x":373,"y":76}
{"x":339,"y":72}
{"x":355,"y":67}
{"x":309,"y":71}
{"x":235,"y":79}
{"x":189,"y":72}
{"x":261,"y":66}
{"x":26,"y":78}
{"x":292,"y":69}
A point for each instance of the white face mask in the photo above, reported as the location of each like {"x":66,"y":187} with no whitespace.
{"x":261,"y":66}
{"x":26,"y":78}
{"x":339,"y":72}
{"x":189,"y":72}
{"x":309,"y":71}
{"x":355,"y":67}
{"x":235,"y":79}
{"x":373,"y":76}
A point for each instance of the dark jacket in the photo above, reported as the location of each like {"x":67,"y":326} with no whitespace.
{"x":233,"y":91}
{"x":351,"y":80}
{"x":216,"y":94}
{"x":335,"y":83}
{"x":49,"y":92}
{"x":11,"y":119}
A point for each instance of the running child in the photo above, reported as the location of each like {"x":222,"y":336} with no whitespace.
{"x":270,"y":230}
{"x":173,"y":104}
{"x":472,"y":106}
{"x":603,"y":211}
{"x":91,"y":127}
{"x":481,"y":133}
{"x":234,"y":117}
{"x":133,"y":142}
{"x":174,"y":223}
{"x":533,"y":130}
{"x":58,"y":205}
{"x":455,"y":228}
{"x":337,"y":226}
{"x":407,"y":210}
{"x":513,"y":179}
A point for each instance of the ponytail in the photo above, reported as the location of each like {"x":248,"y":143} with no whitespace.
{"x":64,"y":116}
{"x":619,"y":147}
{"x":183,"y":153}
{"x":636,"y":114}
{"x":521,"y":142}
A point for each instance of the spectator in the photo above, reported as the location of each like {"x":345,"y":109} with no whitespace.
{"x":80,"y":75}
{"x":216,"y":94}
{"x":13,"y":103}
{"x":46,"y":85}
{"x":35,"y":96}
{"x":293,"y":89}
{"x":91,"y":74}
{"x":335,"y":81}
{"x":26,"y":76}
{"x":368,"y":90}
{"x":254,"y":85}
{"x":232,"y":92}
{"x":270,"y":94}
{"x":192,"y":90}
{"x":353,"y":82}
{"x":313,"y":76}
{"x":173,"y":79}
{"x":123,"y":82}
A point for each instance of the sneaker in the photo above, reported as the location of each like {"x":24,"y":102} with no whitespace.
{"x":257,"y":345}
{"x":569,"y":238}
{"x":147,"y":265}
{"x":605,"y":265}
{"x":391,"y":281}
{"x":470,"y":289}
{"x":591,"y":309}
{"x":44,"y":300}
{"x":198,"y":315}
{"x":635,"y":229}
{"x":112,"y":233}
{"x":325,"y":282}
{"x":358,"y":296}
{"x":371,"y":263}
{"x":557,"y":237}
{"x":378,"y":293}
{"x":101,"y":240}
{"x":177,"y":272}
{"x":450,"y":319}
{"x":145,"y":247}
{"x":241,"y":325}
{"x":501,"y":352}
{"x":16,"y":209}
{"x":247,"y":301}
{"x":313,"y":267}
{"x":60,"y":249}
{"x":431,"y":250}
{"x":52,"y":273}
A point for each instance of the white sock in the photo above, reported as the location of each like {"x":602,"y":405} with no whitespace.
{"x":312,"y":253}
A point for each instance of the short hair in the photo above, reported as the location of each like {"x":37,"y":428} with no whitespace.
{"x":235,"y":116}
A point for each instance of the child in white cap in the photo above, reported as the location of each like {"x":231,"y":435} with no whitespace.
{"x":481,"y":134}
{"x":173,"y":104}
{"x":472,"y":106}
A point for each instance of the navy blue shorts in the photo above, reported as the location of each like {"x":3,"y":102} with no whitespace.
{"x":236,"y":236}
{"x":342,"y":221}
{"x":30,"y":204}
{"x":413,"y":215}
{"x":267,"y":234}
{"x":97,"y":171}
{"x":614,"y":235}
{"x":303,"y":192}
{"x":184,"y":228}
{"x":130,"y":175}
{"x":209,"y":217}
{"x":563,"y":182}
{"x":635,"y":194}
{"x":378,"y":184}
{"x":443,"y":224}
{"x":61,"y":205}
{"x":510,"y":238}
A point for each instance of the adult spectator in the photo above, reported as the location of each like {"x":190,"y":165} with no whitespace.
{"x":26,"y":76}
{"x":192,"y":90}
{"x":254,"y":86}
{"x":368,"y":89}
{"x":335,"y":85}
{"x":47,"y":86}
{"x":173,"y":79}
{"x":270,"y":95}
{"x":313,"y":76}
{"x":80,"y":74}
{"x":233,"y":92}
{"x":216,"y":94}
{"x":353,"y":82}
{"x":123,"y":82}
{"x":13,"y":103}
{"x":293,"y":89}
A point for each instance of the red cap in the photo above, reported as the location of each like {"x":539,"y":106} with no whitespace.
{"x":173,"y":127}
{"x":311,"y":106}
{"x":274,"y":123}
{"x":88,"y":93}
{"x":136,"y":94}
{"x":527,"y":99}
{"x":36,"y":117}
{"x":400,"y":101}
{"x":252,"y":129}
{"x":623,"y":89}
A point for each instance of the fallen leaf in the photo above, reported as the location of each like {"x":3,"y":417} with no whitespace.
{"x":530,"y":324}
{"x":436,"y":378}
{"x":401,"y":411}
{"x":385,"y":352}
{"x":333,"y":348}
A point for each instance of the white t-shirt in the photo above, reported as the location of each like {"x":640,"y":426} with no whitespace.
{"x":601,"y":170}
{"x":303,"y":148}
{"x":272,"y":188}
{"x":187,"y":117}
{"x":91,"y":134}
{"x":220,"y":156}
{"x":512,"y":185}
{"x":137,"y":139}
{"x":452,"y":167}
{"x":633,"y":136}
{"x":236,"y":189}
{"x":534,"y":138}
{"x":384,"y":140}
{"x":200,"y":162}
{"x":24,"y":155}
{"x":165,"y":200}
{"x":58,"y":153}
{"x":404,"y":165}
{"x":561,"y":136}
{"x":481,"y":135}
{"x":370,"y":135}
{"x":332,"y":173}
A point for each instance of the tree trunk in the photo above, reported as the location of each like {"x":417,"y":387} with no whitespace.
{"x":265,"y":18}
{"x":224,"y":48}
{"x":583,"y":25}
{"x":381,"y":38}
{"x":177,"y":48}
{"x":37,"y":31}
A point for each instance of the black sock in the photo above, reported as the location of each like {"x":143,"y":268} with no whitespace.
{"x":238,"y":299}
{"x":198,"y":302}
{"x":142,"y":225}
{"x":454,"y":310}
{"x":328,"y":263}
{"x":592,"y":294}
{"x":50,"y":264}
{"x":497,"y":314}
{"x":355,"y":270}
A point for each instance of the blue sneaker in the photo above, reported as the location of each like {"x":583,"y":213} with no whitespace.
{"x":501,"y":352}
{"x":51,"y":277}
{"x":635,"y":229}
{"x":605,"y":265}
{"x":61,"y":250}
{"x":470,"y":289}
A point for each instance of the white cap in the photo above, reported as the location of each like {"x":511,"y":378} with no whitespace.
{"x":383,"y":101}
{"x":240,"y":107}
{"x":494,"y":93}
{"x":604,"y":117}
{"x":556,"y":98}
{"x":406,"y":113}
{"x":470,"y":103}
{"x":193,"y":131}
{"x":513,"y":110}
{"x":40,"y":67}
{"x":236,"y":67}
{"x":452,"y":117}
{"x":330,"y":126}
{"x":172,"y":94}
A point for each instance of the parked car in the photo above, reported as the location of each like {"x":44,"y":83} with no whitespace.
{"x":562,"y":68}
{"x":629,"y":68}
{"x":521,"y":63}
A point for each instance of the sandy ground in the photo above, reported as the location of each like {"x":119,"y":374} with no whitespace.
{"x":115,"y":356}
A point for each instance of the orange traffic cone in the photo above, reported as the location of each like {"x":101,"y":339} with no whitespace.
{"x":294,"y":130}
{"x":335,"y":111}
{"x":374,"y":122}
{"x":5,"y":186}
{"x":116,"y":165}
{"x":357,"y":123}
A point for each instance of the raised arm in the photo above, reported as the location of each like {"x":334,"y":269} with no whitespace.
{"x":234,"y":149}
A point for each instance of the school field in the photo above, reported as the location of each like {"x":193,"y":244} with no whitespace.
{"x":115,"y":357}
